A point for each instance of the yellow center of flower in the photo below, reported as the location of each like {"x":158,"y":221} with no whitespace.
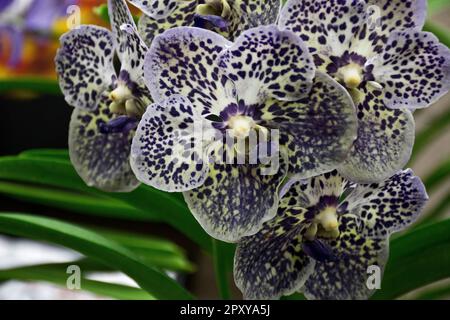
{"x":351,"y":75}
{"x":325,"y":224}
{"x":219,"y":8}
{"x":124,"y":103}
{"x":241,"y":125}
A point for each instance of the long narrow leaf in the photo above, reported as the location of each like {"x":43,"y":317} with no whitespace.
{"x":418,"y":258}
{"x":145,"y":199}
{"x":95,"y":246}
{"x":73,"y":201}
{"x":56,"y":274}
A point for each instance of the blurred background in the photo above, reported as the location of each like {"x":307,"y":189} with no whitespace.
{"x":35,"y":115}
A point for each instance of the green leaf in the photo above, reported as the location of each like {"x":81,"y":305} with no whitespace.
{"x":147,"y":200}
{"x":35,"y":84}
{"x":56,"y":274}
{"x":426,"y":136}
{"x":73,"y":201}
{"x":221,"y":268}
{"x":439,"y":175}
{"x":439,"y":293}
{"x":438,"y":31}
{"x":156,"y":252}
{"x":438,"y":211}
{"x":93,"y":245}
{"x":437,"y":5}
{"x":57,"y":154}
{"x":418,"y":258}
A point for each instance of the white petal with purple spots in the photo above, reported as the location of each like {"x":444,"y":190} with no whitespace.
{"x":99,"y":156}
{"x":266,"y":62}
{"x":168,"y":152}
{"x":181,"y":61}
{"x":84,"y":64}
{"x":414,"y":70}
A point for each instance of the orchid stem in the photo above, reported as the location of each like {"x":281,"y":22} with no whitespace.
{"x":220,"y":269}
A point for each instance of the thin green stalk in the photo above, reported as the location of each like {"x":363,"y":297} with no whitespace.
{"x":220,"y":269}
{"x":439,"y":175}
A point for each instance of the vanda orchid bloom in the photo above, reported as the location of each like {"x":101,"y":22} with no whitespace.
{"x":107,"y":106}
{"x":264,"y":81}
{"x":376,"y":50}
{"x":226,"y":17}
{"x":326,"y":235}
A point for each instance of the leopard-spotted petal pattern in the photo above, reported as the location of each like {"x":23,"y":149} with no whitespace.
{"x":243,"y":15}
{"x":182,"y":15}
{"x":256,"y":13}
{"x":272,"y":263}
{"x":393,"y":15}
{"x":414,"y":70}
{"x":384,"y":142}
{"x":328,"y":26}
{"x":181,"y":61}
{"x":388,"y":206}
{"x":345,"y":278}
{"x":167,"y":151}
{"x":84,"y":64}
{"x":157,"y":9}
{"x":236,"y":199}
{"x":130,"y":48}
{"x":318,"y":130}
{"x":101,"y":157}
{"x":267,"y":62}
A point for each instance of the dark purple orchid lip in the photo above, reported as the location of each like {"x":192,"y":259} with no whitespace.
{"x":346,"y":59}
{"x":210,"y":21}
{"x":122,"y":124}
{"x":232,"y":110}
{"x":319,"y":250}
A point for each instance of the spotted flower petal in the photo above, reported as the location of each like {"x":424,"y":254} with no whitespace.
{"x":242,"y":15}
{"x":156,"y":9}
{"x":236,"y":199}
{"x":182,"y":15}
{"x":346,"y":277}
{"x":181,"y":61}
{"x":414,"y":69}
{"x":391,"y":15}
{"x":328,"y":26}
{"x":100,"y":155}
{"x":84,"y":64}
{"x":168,"y":151}
{"x":388,"y":206}
{"x":318,"y":130}
{"x":384,"y":142}
{"x":272,"y":263}
{"x":266,"y":62}
{"x":131,"y":49}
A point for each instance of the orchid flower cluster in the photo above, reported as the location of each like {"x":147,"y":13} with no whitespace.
{"x":324,"y":88}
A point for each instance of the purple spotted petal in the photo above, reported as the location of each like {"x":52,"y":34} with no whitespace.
{"x":168,"y":152}
{"x":99,"y":146}
{"x":414,"y":70}
{"x":266,"y":62}
{"x":84,"y":64}
{"x":384,"y":142}
{"x":131,"y":49}
{"x":236,"y":199}
{"x":181,"y":61}
{"x":272,"y":263}
{"x":395,"y":15}
{"x":156,"y":9}
{"x":388,"y":206}
{"x":183,"y":15}
{"x":318,"y":130}
{"x":345,"y":278}
{"x":327,"y":26}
